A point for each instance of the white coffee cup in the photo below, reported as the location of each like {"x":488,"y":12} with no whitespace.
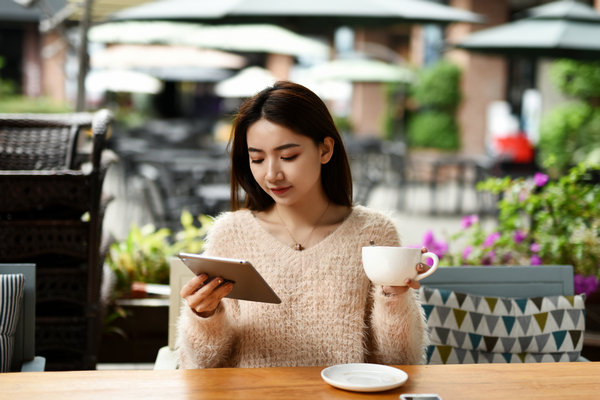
{"x":391,"y":266}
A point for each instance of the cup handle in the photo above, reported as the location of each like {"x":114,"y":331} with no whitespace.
{"x":431,"y":270}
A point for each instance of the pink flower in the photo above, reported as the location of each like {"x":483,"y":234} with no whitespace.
{"x":519,"y":236}
{"x":540,"y":179}
{"x":467,"y":250}
{"x":534,"y":247}
{"x":469,"y":220}
{"x":535,"y":260}
{"x":440,"y":248}
{"x":428,"y":239}
{"x":491,"y":239}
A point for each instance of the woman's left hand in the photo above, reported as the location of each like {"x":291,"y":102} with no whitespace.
{"x":410,"y":283}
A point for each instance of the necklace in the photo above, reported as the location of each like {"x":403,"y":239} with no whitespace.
{"x":298,"y":246}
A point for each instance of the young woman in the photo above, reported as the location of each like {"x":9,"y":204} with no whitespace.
{"x":299,"y":229}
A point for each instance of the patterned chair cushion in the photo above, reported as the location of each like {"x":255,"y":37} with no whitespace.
{"x":11,"y":298}
{"x":466,"y":328}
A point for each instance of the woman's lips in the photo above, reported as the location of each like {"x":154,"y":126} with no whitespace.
{"x":280,"y":190}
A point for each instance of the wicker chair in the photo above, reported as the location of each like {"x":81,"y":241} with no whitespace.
{"x":51,"y":214}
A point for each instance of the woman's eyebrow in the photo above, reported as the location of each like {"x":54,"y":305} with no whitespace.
{"x":278,"y":148}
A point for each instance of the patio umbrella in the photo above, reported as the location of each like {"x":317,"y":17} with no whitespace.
{"x":122,"y":81}
{"x":243,"y":38}
{"x":559,"y":29}
{"x":360,"y":70}
{"x":246,"y":83}
{"x":295,"y":12}
{"x":148,"y":56}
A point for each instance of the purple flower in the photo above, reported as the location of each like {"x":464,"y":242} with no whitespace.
{"x":428,"y":239}
{"x":534,"y":247}
{"x":491,"y":239}
{"x":488,"y":259}
{"x":535,"y":260}
{"x":467,"y":250}
{"x":585,"y":284}
{"x":469,"y":220}
{"x":440,"y":248}
{"x":519,"y":236}
{"x":540,"y":179}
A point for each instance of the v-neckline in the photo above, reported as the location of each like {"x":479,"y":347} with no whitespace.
{"x":287,"y":247}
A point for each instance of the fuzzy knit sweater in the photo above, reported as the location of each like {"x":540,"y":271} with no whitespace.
{"x":330,"y":312}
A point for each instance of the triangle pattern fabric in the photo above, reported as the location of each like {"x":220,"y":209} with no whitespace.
{"x":459,"y":316}
{"x":443,"y":314}
{"x":509,"y":322}
{"x":471,"y":328}
{"x":460,"y":298}
{"x":522,"y":304}
{"x":558,"y":316}
{"x":491,"y":302}
{"x":538,"y":302}
{"x":559,"y":337}
{"x":475,"y":319}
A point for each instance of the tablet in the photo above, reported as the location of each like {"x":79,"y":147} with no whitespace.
{"x":248,"y":283}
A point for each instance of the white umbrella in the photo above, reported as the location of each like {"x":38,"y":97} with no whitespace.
{"x":159,"y":56}
{"x":246,"y":83}
{"x":244,"y":38}
{"x":324,"y":12}
{"x":121,"y":81}
{"x":360,"y":70}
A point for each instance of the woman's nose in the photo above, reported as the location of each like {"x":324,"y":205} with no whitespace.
{"x":274,"y":171}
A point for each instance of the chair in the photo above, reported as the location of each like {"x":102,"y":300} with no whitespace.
{"x":180,"y":274}
{"x":51,"y":211}
{"x":503,"y":314}
{"x":24,"y":358}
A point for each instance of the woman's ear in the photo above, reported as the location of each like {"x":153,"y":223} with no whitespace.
{"x":327,"y":149}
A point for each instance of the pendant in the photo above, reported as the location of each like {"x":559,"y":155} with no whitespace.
{"x":298,"y":247}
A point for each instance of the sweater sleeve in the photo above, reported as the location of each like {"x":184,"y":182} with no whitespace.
{"x":207,"y":342}
{"x":203,"y":342}
{"x":398,"y":329}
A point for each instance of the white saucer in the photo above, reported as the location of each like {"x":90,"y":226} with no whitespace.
{"x":363,"y":377}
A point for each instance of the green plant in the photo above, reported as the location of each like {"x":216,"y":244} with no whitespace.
{"x":580,"y":79}
{"x":11,"y":102}
{"x":438,"y":87}
{"x":433,"y":129}
{"x":437,"y":94}
{"x":571,"y":132}
{"x":539,"y":222}
{"x":144,"y":254}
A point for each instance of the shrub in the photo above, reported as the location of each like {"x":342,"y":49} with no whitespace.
{"x":433,"y":129}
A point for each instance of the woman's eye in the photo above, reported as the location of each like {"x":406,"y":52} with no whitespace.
{"x":289,"y":158}
{"x":257,"y":161}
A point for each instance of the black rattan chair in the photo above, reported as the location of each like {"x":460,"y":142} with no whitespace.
{"x":51,"y":214}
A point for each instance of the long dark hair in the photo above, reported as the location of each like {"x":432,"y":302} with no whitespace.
{"x":297,"y":108}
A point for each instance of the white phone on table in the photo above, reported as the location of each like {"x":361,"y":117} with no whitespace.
{"x":420,"y":396}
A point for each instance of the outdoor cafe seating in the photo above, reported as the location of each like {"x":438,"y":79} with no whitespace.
{"x":51,"y":209}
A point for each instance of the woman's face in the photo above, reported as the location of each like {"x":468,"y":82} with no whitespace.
{"x":286,"y":165}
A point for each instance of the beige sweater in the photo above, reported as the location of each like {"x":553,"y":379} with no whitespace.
{"x":330,"y":313}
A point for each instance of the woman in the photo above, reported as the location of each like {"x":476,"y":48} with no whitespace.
{"x":299,"y":229}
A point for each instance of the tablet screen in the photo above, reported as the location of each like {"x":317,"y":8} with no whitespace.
{"x":248,"y":283}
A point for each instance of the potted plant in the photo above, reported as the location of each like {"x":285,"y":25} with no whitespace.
{"x":136,"y":320}
{"x":539,"y":222}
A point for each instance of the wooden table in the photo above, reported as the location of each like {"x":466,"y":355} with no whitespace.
{"x":475,"y":381}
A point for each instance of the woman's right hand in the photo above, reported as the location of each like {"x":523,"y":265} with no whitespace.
{"x":204,"y":297}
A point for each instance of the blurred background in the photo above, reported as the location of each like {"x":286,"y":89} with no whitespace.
{"x":431,"y":97}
